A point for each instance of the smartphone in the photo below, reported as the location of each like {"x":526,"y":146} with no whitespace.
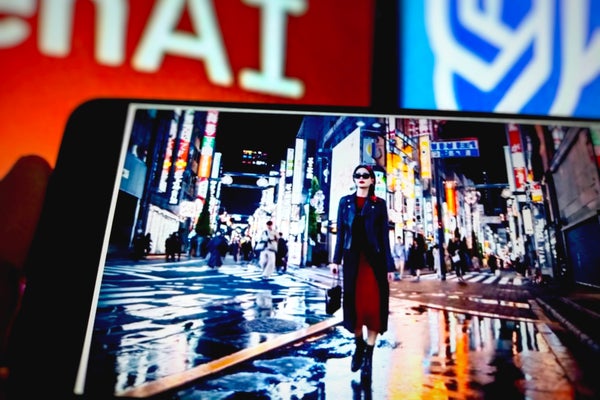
{"x":133,"y":172}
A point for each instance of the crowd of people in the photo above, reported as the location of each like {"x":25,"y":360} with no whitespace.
{"x":418,"y":255}
{"x":269,"y":251}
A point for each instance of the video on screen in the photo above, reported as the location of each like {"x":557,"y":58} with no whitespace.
{"x":182,"y":292}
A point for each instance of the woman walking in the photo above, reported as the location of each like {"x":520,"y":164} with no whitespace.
{"x":363,"y":250}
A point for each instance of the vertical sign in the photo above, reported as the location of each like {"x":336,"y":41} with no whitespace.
{"x":297,"y":178}
{"x":289,"y":168}
{"x":451,"y":197}
{"x":206,"y":151}
{"x":213,"y":188}
{"x":410,"y":195}
{"x":515,"y":145}
{"x":425,"y":148}
{"x":380,"y":184}
{"x":183,"y":149}
{"x":168,"y":158}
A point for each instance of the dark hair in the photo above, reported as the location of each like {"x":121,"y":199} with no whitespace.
{"x":371,"y":173}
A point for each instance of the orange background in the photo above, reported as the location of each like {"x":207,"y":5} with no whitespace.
{"x":329,"y":48}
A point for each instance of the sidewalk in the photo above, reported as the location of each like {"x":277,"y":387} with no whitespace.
{"x":577,"y":309}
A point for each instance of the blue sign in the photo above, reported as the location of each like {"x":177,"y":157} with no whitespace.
{"x":515,"y":57}
{"x":457,"y":148}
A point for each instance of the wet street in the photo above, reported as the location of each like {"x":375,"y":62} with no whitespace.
{"x":184,"y":331}
{"x":426,"y":354}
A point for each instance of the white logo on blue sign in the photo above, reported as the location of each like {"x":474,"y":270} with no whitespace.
{"x":534,"y":57}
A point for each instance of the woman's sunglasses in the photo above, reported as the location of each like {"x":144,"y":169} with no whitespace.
{"x":364,"y":175}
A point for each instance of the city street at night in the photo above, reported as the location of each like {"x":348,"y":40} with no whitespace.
{"x":181,"y":330}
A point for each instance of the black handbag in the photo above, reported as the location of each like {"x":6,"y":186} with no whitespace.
{"x":333,"y":297}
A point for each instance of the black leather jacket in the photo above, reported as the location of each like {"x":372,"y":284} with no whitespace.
{"x":375,"y":216}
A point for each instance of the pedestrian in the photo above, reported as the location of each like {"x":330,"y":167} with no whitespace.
{"x":422,"y":244}
{"x":492,"y":262}
{"x":246,"y":248}
{"x":216,"y":246}
{"x":399,"y":255}
{"x":147,"y":244}
{"x":475,"y":264}
{"x":429,"y":258}
{"x":170,"y":247}
{"x":234,"y":248}
{"x":177,"y":246}
{"x":415,"y":259}
{"x":139,"y":250}
{"x":268,"y":250}
{"x":193,"y":241}
{"x":458,"y":252}
{"x":281,"y":255}
{"x":362,"y":249}
{"x":437,"y":262}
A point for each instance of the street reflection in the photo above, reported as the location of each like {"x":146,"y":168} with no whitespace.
{"x":426,"y":354}
{"x":147,"y":332}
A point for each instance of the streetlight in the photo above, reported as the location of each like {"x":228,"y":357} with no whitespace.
{"x":227,"y":180}
{"x":262,"y":182}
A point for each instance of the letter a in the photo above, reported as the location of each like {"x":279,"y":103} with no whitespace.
{"x":161,"y":38}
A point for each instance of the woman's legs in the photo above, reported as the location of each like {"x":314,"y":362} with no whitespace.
{"x":363,"y":352}
{"x":371,"y":337}
{"x":367,"y":365}
{"x":359,"y":350}
{"x":367,"y":316}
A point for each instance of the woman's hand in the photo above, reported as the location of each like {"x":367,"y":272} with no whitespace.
{"x":22,"y":193}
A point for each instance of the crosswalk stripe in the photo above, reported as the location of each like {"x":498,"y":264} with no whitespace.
{"x":479,"y":277}
{"x":316,"y":277}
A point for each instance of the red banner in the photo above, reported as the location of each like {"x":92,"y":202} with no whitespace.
{"x":56,"y":55}
{"x":517,"y":156}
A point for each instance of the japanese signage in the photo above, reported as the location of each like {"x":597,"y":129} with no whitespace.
{"x":455,"y":148}
{"x":517,"y":157}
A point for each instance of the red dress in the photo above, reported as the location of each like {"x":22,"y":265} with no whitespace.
{"x":367,"y":290}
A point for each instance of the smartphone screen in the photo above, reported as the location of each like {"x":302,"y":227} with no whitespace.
{"x":177,"y":172}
